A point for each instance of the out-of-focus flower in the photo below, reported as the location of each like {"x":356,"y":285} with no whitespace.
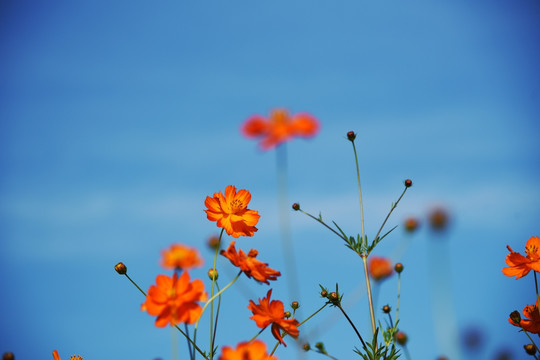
{"x":273,"y":312}
{"x":8,"y":356}
{"x":531,"y":323}
{"x":520,"y":265}
{"x":251,"y":266}
{"x":180,"y":256}
{"x":72,"y":357}
{"x":279,"y":127}
{"x":231,"y":212}
{"x":174,"y":300}
{"x":438,"y":219}
{"x":379,"y":268}
{"x":213,"y":242}
{"x":411,"y":224}
{"x":254,"y":350}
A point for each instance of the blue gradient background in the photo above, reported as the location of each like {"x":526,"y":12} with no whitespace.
{"x":119,"y":118}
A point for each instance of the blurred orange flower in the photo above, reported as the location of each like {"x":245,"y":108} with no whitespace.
{"x":266,"y":313}
{"x":231,"y":212}
{"x":379,"y":268}
{"x":72,"y":357}
{"x":174,"y":300}
{"x":279,"y":127}
{"x":254,"y":350}
{"x":249,"y":264}
{"x":532,"y":322}
{"x":180,"y":256}
{"x":519,"y":265}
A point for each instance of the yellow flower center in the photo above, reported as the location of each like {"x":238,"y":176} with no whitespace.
{"x":236,"y":205}
{"x":532,"y":252}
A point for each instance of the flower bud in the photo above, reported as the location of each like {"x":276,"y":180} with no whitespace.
{"x":320,"y":347}
{"x":530,"y":349}
{"x":296,"y":206}
{"x":386,"y":309}
{"x":306,"y":347}
{"x":213,"y":274}
{"x":287,"y":314}
{"x":295,"y":305}
{"x":408,"y":183}
{"x":401,"y":338}
{"x":324,"y":293}
{"x":120,"y":268}
{"x":333,"y":296}
{"x":8,"y":356}
{"x":351,"y":135}
{"x":515,"y":317}
{"x":398,"y":267}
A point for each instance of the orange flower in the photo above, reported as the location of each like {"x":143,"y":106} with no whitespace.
{"x":231,"y":212}
{"x":519,"y":265}
{"x":72,"y":357}
{"x":180,"y":256}
{"x":532,"y":322}
{"x":174,"y":300}
{"x":379,"y":268}
{"x":280,"y":127}
{"x":273,"y":312}
{"x":254,"y":350}
{"x":250,"y":265}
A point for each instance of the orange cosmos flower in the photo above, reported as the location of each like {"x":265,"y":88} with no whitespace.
{"x":279,"y":127}
{"x":379,"y":268}
{"x":254,"y":350}
{"x":174,"y":300}
{"x":273,"y":312}
{"x":180,"y":256}
{"x":231,"y":212}
{"x":72,"y":357}
{"x":532,"y":322}
{"x":519,"y":265}
{"x":250,"y":265}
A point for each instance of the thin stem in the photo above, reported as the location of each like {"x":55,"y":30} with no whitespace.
{"x":406,"y":351}
{"x":189,"y":345}
{"x":322,"y":222}
{"x":191,"y":341}
{"x":212,"y":300}
{"x":398,"y":296}
{"x":137,"y":286}
{"x":215,"y":296}
{"x":256,"y":335}
{"x":364,"y":240}
{"x":390,"y":212}
{"x":217,"y":313}
{"x":370,"y":298}
{"x":352,"y":324}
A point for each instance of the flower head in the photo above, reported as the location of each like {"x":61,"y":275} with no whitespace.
{"x":180,"y":256}
{"x":231,"y":212}
{"x":379,"y":268}
{"x":254,"y":350}
{"x":519,"y":265}
{"x":531,"y":323}
{"x":272,"y":312}
{"x":174,"y":300}
{"x":279,"y":127}
{"x":250,"y":265}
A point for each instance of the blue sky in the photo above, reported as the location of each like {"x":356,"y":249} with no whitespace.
{"x":118,"y":119}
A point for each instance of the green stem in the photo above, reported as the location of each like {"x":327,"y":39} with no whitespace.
{"x":388,"y":215}
{"x":137,"y":286}
{"x":212,"y":298}
{"x":352,"y":324}
{"x":398,"y":296}
{"x":364,"y":240}
{"x":218,"y":294}
{"x":322,"y":222}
